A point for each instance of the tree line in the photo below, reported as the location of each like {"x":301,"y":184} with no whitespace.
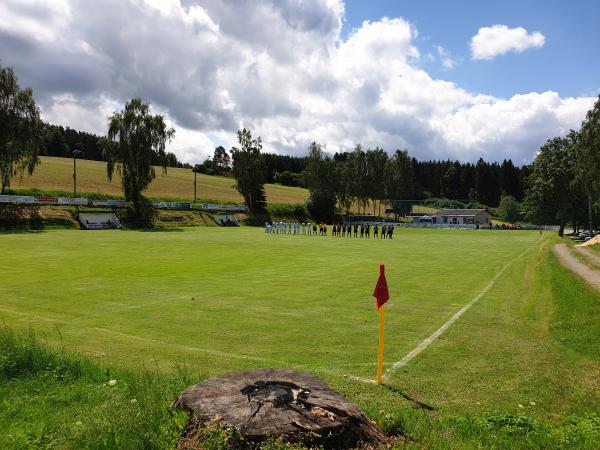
{"x":564,"y":185}
{"x":62,"y":141}
{"x":482,"y":182}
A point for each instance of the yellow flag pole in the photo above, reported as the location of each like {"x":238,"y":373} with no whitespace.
{"x":380,"y":353}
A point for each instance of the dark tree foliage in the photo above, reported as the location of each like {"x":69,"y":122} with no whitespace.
{"x":275,"y":164}
{"x":362,"y":180}
{"x":135,"y":140}
{"x":221,"y":161}
{"x":249,"y":172}
{"x":60,"y":142}
{"x":400,"y":177}
{"x":553,"y":196}
{"x":588,"y":159}
{"x":322,"y":177}
{"x":288,"y":178}
{"x":20,"y":128}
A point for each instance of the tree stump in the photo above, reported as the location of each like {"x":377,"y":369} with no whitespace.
{"x":275,"y":402}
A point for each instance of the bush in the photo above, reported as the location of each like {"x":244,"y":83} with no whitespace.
{"x":443,"y":203}
{"x":288,"y":178}
{"x":297,"y":212}
{"x":321,"y":207}
{"x":509,"y":208}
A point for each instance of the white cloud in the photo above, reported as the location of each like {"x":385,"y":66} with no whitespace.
{"x":448,"y":61}
{"x":490,"y":42}
{"x":287,"y":73}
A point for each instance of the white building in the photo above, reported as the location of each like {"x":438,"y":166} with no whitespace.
{"x":463,"y":217}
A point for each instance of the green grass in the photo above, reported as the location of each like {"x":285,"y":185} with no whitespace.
{"x":55,"y":399}
{"x":55,"y":176}
{"x":521,"y":367}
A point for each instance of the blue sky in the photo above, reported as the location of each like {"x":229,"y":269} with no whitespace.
{"x":568,"y":63}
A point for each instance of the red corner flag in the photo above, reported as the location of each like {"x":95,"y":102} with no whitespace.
{"x":381,"y":290}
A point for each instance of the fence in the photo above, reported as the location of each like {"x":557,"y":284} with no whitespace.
{"x":82,"y":201}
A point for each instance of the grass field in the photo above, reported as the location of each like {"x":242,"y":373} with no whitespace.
{"x":218,"y":299}
{"x":57,"y":174}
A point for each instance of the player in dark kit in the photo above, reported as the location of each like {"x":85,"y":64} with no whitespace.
{"x":368,"y":231}
{"x":362,"y":230}
{"x":355,"y":230}
{"x":376,"y":232}
{"x":390,"y":232}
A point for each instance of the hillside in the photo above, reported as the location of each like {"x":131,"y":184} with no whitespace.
{"x":57,"y":174}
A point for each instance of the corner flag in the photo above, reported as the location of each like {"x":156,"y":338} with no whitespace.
{"x":381,"y":290}
{"x":382,"y":295}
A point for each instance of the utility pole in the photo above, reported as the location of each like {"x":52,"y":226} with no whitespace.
{"x":76,"y":153}
{"x":196,"y":169}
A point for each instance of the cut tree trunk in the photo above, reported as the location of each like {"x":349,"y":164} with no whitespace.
{"x":278,"y":403}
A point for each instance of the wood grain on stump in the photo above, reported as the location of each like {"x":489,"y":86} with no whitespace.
{"x":276,"y":402}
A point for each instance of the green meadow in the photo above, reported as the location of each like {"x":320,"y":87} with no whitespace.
{"x":520,"y":368}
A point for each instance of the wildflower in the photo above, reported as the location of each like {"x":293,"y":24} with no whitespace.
{"x":532,"y":403}
{"x":521,"y":406}
{"x":133,"y":400}
{"x":78,"y":423}
{"x":112,"y":382}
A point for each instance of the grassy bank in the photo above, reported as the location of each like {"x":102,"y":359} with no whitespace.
{"x":56,"y":175}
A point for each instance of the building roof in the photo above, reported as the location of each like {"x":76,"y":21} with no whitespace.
{"x":460,"y":212}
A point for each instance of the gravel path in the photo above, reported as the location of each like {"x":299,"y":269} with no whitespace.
{"x":572,"y":263}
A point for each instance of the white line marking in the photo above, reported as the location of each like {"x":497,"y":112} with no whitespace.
{"x":138,"y":338}
{"x":177,"y":346}
{"x":427,"y":342}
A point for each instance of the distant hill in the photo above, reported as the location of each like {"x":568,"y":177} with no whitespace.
{"x":57,"y":174}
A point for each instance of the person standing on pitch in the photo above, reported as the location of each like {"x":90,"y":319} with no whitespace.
{"x":375,"y":232}
{"x":391,"y":232}
{"x":362,"y":230}
{"x":368,"y":231}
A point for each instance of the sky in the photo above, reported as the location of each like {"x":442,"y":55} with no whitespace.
{"x":444,"y":80}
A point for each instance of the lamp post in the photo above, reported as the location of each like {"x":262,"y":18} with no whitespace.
{"x":76,"y":153}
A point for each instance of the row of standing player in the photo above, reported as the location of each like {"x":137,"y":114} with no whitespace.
{"x":309,"y":229}
{"x":343,"y":230}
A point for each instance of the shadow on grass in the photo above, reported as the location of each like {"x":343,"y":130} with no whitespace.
{"x":21,"y":231}
{"x":157,"y":230}
{"x":416,"y":403}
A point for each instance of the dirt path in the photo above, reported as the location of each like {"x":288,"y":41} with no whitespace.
{"x":593,"y":256}
{"x":572,"y":263}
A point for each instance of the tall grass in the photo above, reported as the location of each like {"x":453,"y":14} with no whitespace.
{"x":55,"y":399}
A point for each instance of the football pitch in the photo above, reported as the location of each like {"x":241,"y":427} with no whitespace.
{"x":222,"y":299}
